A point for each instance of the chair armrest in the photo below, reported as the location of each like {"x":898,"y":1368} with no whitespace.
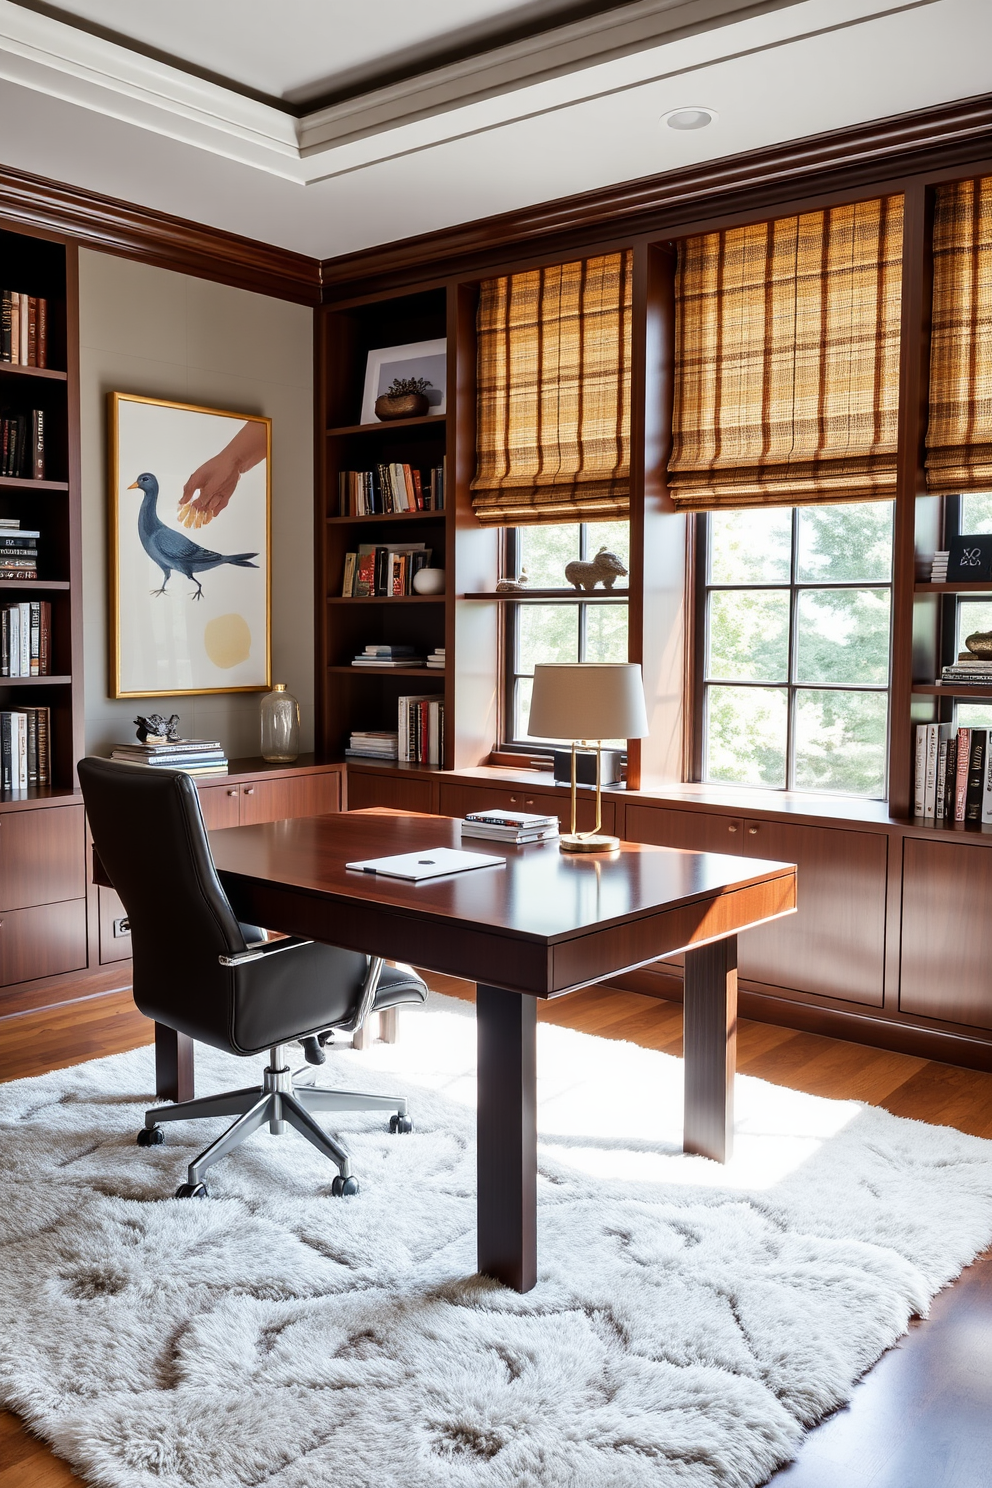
{"x":259,"y":952}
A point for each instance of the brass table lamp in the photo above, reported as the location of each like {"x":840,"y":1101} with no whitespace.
{"x":587,"y":702}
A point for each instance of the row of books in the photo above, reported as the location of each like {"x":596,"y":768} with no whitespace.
{"x":23,"y":329}
{"x":18,"y":550}
{"x":420,"y":727}
{"x":25,"y":748}
{"x":390,"y":488}
{"x":516,"y":827}
{"x":381,"y":569}
{"x":968,"y":668}
{"x":953,"y":780}
{"x":26,"y":639}
{"x":194,"y":756}
{"x":22,"y":444}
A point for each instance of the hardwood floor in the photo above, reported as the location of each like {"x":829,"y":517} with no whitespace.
{"x":921,"y":1418}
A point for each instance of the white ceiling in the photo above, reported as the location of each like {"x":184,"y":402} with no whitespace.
{"x":575,"y":108}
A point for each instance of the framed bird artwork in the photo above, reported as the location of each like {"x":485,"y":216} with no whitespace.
{"x":190,"y":538}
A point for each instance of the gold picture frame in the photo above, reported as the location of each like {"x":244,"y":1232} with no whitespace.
{"x":213,"y":532}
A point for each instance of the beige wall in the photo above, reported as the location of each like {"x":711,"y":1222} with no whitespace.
{"x":151,"y":331}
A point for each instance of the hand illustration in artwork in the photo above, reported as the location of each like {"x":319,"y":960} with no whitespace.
{"x":217,"y":478}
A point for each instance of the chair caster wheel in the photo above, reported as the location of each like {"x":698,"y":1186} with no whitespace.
{"x":151,"y":1136}
{"x":344,"y":1187}
{"x":192,"y":1191}
{"x":400,"y":1124}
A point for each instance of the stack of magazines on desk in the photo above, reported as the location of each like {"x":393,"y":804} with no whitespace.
{"x":510,"y":826}
{"x":195,"y":756}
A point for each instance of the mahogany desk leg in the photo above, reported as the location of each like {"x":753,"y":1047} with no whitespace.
{"x":507,"y":1136}
{"x":173,"y":1064}
{"x":710,"y":1024}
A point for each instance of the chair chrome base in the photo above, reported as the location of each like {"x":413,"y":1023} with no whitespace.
{"x":279,"y":1100}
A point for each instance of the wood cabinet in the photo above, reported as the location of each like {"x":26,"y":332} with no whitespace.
{"x":248,"y":802}
{"x":399,"y":792}
{"x":946,"y":951}
{"x":696,"y":831}
{"x":221,"y":806}
{"x":834,"y":945}
{"x":45,"y":940}
{"x":41,"y":856}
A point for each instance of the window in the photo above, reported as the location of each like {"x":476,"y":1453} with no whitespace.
{"x":796,"y":606}
{"x":565,"y":629}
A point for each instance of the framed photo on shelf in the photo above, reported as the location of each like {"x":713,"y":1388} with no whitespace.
{"x":189,"y":529}
{"x":427,"y":359}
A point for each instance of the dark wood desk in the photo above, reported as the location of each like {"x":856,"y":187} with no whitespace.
{"x":545,"y":925}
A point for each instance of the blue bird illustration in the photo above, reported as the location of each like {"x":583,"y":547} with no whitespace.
{"x":171,"y":549}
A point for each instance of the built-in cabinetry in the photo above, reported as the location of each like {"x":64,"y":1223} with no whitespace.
{"x":890,"y":944}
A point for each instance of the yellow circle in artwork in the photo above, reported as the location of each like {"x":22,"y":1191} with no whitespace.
{"x":227,"y":640}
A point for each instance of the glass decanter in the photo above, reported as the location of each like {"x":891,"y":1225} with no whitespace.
{"x":280,"y":719}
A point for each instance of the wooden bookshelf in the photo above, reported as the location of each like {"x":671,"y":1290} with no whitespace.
{"x":37,"y":264}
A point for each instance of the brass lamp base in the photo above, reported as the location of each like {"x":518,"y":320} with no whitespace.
{"x":573,"y":842}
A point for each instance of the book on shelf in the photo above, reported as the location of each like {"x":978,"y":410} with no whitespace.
{"x":938,"y":566}
{"x":25,"y":748}
{"x":384,"y":663}
{"x":436,"y":659}
{"x":380,"y":570}
{"x":26,"y":639}
{"x":390,"y":488}
{"x":23,"y":329}
{"x":373,"y":744}
{"x":421,"y":729}
{"x":22,"y":444}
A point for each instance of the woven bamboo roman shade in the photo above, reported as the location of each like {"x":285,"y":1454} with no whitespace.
{"x":959,"y":435}
{"x":553,"y":429}
{"x":787,"y":360}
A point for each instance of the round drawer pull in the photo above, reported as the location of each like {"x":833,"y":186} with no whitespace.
{"x":249,"y":790}
{"x":528,"y":803}
{"x":232,"y":792}
{"x":753,"y":831}
{"x":732,"y":827}
{"x":514,"y":800}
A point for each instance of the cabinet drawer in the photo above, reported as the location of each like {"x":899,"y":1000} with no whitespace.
{"x":294,"y":795}
{"x":220,"y":805}
{"x":42,"y":857}
{"x":694,"y":831}
{"x":834,"y":945}
{"x":45,"y":941}
{"x":400,"y":793}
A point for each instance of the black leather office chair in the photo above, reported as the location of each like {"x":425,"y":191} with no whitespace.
{"x":199,"y":971}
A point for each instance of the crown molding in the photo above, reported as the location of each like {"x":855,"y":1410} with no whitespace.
{"x":608,"y":52}
{"x":113,"y":226}
{"x":925,"y":140}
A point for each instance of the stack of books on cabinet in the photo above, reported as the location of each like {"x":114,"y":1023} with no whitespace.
{"x":192,"y":756}
{"x":373,"y":744}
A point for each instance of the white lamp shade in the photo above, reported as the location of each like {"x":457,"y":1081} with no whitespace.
{"x":587,"y":700}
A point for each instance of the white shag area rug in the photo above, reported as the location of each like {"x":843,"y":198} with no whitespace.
{"x":689,"y":1322}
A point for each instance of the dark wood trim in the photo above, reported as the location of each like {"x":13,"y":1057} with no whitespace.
{"x":507,"y":1136}
{"x":710,"y":1052}
{"x":174,"y":1059}
{"x":112,"y":226}
{"x":926,"y":140}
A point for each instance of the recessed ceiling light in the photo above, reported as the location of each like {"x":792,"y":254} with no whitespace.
{"x":689,"y":118}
